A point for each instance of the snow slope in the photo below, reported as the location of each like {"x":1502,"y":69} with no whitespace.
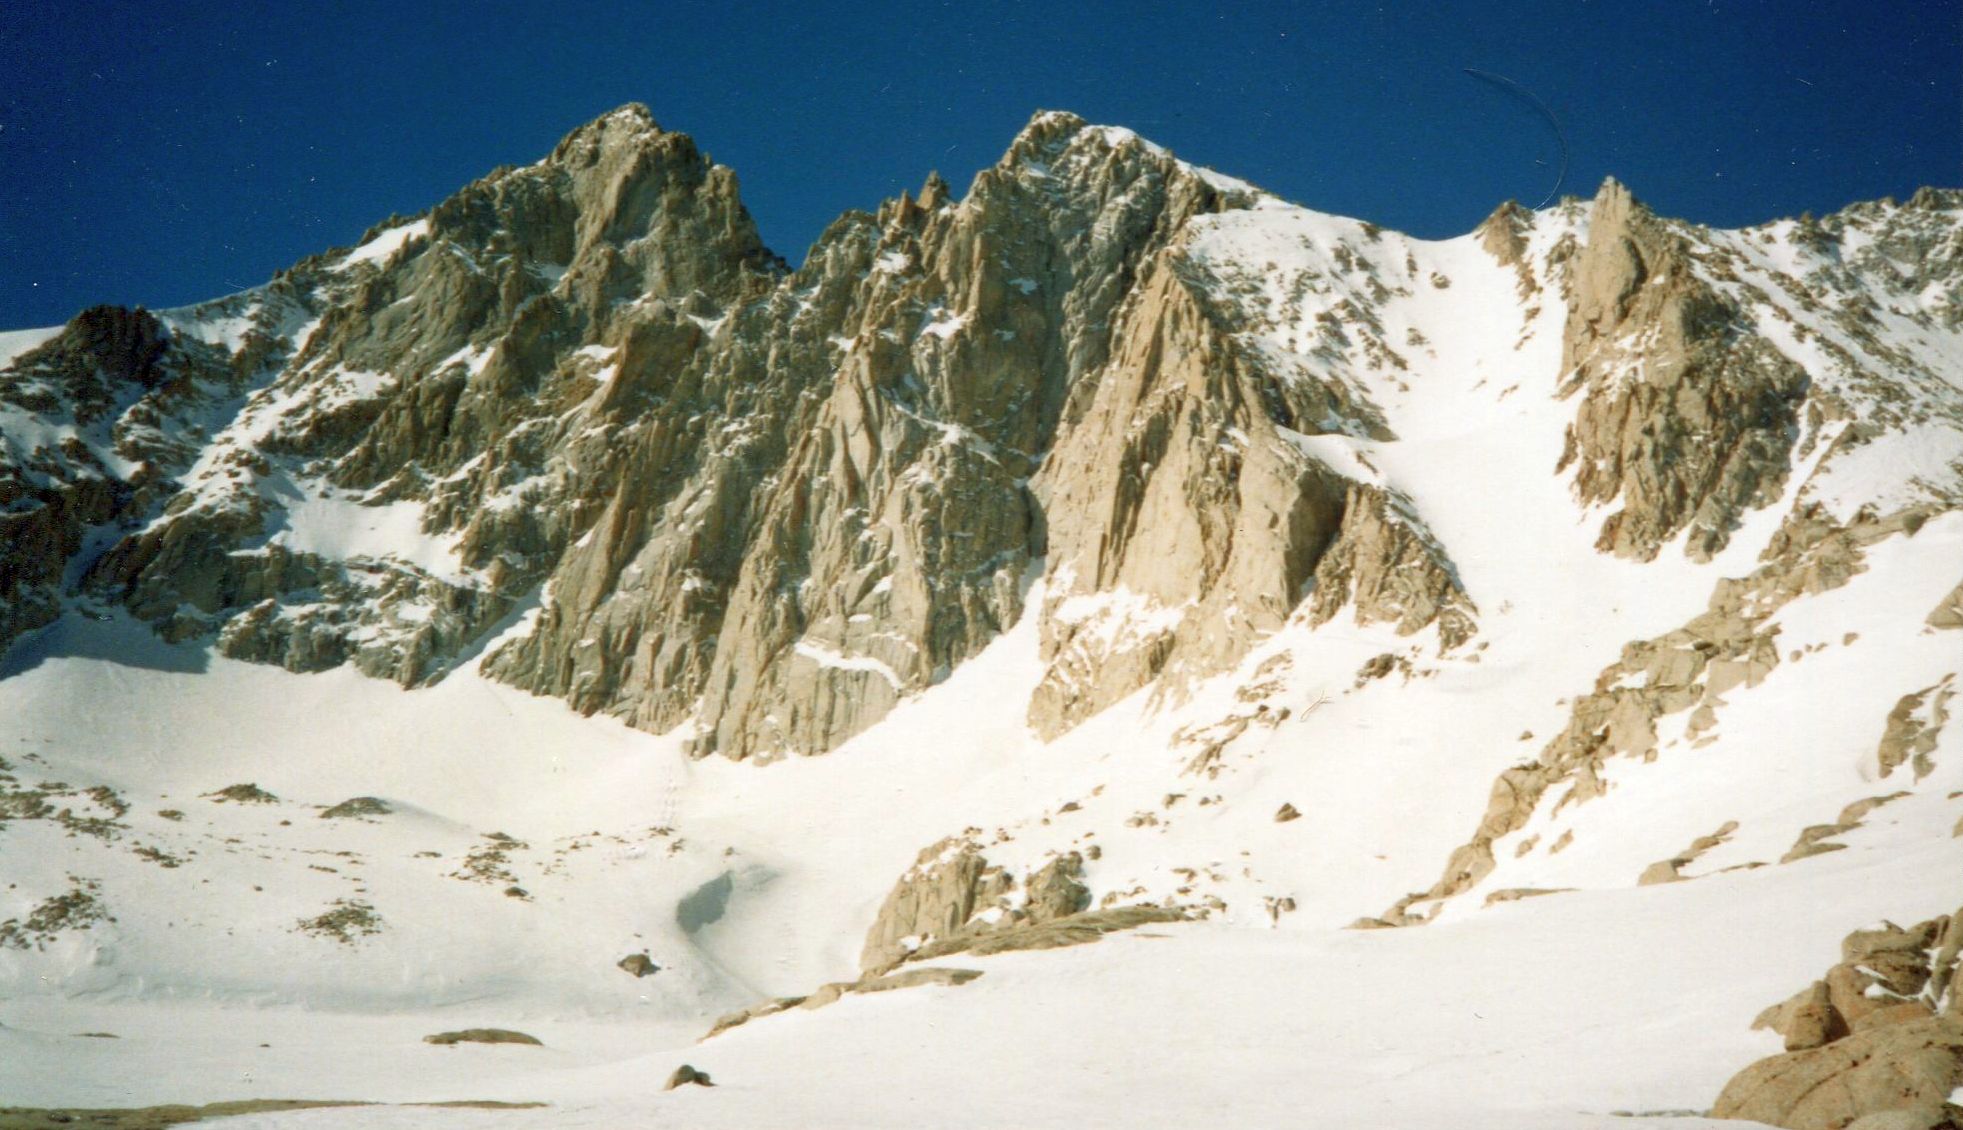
{"x":1479,"y":1021}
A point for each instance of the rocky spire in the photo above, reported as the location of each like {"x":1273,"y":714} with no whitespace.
{"x":1687,"y":418}
{"x":935,"y":192}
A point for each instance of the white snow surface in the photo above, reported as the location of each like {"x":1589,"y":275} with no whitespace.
{"x":338,"y":526}
{"x":384,"y":246}
{"x":1548,"y":1012}
{"x":13,"y":343}
{"x":826,"y":657}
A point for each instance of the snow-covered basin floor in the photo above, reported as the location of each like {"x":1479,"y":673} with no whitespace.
{"x":1551,"y":1012}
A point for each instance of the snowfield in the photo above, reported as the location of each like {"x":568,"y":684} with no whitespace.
{"x":1553,"y":1012}
{"x":1542,"y":1014}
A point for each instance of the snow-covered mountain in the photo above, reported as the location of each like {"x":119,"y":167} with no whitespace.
{"x":1148,"y":558}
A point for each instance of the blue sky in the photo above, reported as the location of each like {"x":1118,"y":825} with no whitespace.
{"x":162,"y":152}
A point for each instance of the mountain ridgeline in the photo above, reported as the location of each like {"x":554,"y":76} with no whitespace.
{"x":577,"y":420}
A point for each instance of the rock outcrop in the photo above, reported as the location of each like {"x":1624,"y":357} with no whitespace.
{"x":1687,"y":417}
{"x":1188,"y":520}
{"x":1948,"y":614}
{"x":954,"y":901}
{"x":1897,"y":1077}
{"x":897,"y":538}
{"x":1913,"y":728}
{"x":1878,"y":1042}
{"x":1733,"y":644}
{"x":1671,"y":870}
{"x":947,"y":885}
{"x":445,"y":372}
{"x":1817,"y":839}
{"x":483,"y":1036}
{"x":1055,"y":933}
{"x":834,"y":991}
{"x":96,"y":423}
{"x":952,"y":890}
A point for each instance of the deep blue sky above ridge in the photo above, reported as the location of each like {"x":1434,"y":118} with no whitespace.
{"x":164,"y":152}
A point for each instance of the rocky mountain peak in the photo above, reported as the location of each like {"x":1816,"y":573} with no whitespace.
{"x":1929,"y":198}
{"x":935,"y":191}
{"x":1625,"y":246}
{"x":1690,"y":417}
{"x":1043,"y":133}
{"x":630,"y":124}
{"x":1153,"y":548}
{"x":769,"y":504}
{"x":622,"y":208}
{"x":1504,"y":233}
{"x":102,"y":349}
{"x":1613,"y":190}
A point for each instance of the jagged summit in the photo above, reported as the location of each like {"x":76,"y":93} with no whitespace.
{"x":1611,"y":187}
{"x":631,"y":123}
{"x":1045,"y":128}
{"x":772,"y":503}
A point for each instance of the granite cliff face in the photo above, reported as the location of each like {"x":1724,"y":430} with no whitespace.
{"x":1687,"y":417}
{"x":578,"y":415}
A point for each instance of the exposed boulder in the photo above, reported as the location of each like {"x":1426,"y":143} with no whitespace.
{"x":483,"y":1036}
{"x":357,"y":807}
{"x":1056,"y":889}
{"x":1814,"y":1024}
{"x":953,"y":901}
{"x":946,"y":886}
{"x":1807,"y":1019}
{"x":244,"y":793}
{"x":1905,"y":1071}
{"x":1877,"y":1043}
{"x":1376,"y":668}
{"x":1913,"y":728}
{"x":638,"y":965}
